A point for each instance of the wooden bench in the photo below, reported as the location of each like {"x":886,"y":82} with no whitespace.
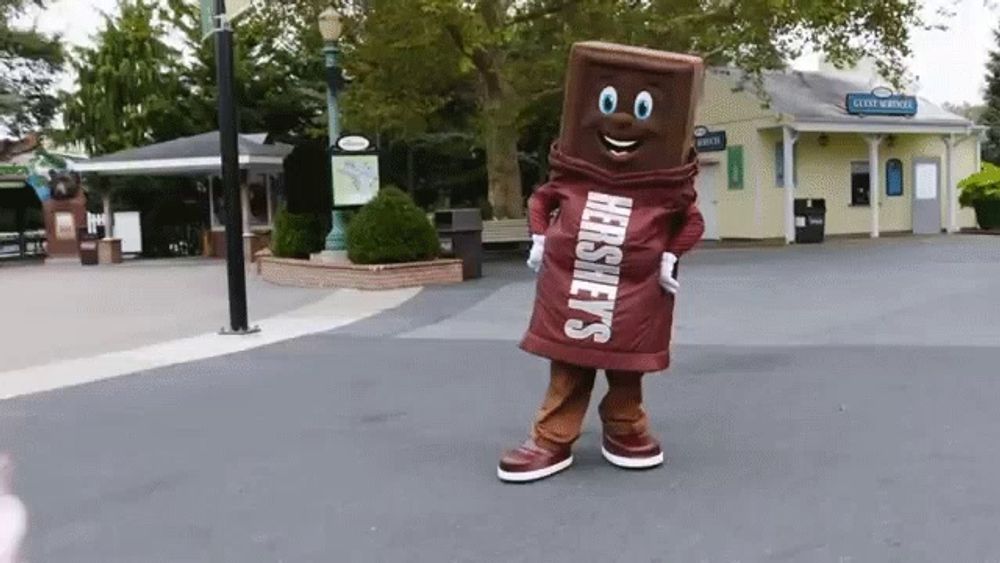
{"x":497,"y":231}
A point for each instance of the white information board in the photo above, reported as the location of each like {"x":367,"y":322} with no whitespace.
{"x":355,"y":178}
{"x":128,"y":228}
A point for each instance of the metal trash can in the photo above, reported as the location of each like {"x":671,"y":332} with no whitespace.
{"x":810,"y":220}
{"x":87,"y":246}
{"x":461,"y":234}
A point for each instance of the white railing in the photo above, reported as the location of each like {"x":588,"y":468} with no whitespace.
{"x":94,"y":220}
{"x":128,"y":228}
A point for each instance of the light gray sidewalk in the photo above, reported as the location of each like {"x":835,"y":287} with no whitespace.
{"x":64,"y":311}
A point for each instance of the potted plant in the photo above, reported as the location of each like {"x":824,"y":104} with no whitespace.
{"x":981,"y":191}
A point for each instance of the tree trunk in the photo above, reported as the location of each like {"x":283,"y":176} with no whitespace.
{"x":502,"y":166}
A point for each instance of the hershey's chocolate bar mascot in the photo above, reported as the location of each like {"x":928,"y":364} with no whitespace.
{"x":607,"y":230}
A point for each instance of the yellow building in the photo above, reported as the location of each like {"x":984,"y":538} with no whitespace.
{"x":832,"y":129}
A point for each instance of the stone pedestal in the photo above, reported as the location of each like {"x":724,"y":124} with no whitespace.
{"x":63,"y":220}
{"x":109,"y":251}
{"x":330,"y":257}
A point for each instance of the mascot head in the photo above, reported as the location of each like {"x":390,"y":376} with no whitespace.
{"x":629,"y":109}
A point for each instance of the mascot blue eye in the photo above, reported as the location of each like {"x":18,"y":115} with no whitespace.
{"x":609,"y":100}
{"x":643,"y":105}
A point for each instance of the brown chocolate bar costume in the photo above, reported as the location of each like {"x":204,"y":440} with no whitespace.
{"x":620,"y":195}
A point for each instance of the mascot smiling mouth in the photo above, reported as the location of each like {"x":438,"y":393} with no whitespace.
{"x":619,"y":148}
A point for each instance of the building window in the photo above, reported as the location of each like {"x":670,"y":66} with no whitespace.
{"x":860,"y":184}
{"x":894,"y":177}
{"x":779,"y":164}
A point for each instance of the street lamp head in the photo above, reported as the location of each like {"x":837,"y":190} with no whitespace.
{"x":330,"y":25}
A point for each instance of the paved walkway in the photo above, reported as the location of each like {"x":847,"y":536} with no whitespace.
{"x":65,"y":311}
{"x":827,"y":404}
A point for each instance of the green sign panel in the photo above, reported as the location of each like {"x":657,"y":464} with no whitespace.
{"x":734,"y":158}
{"x":14,"y":170}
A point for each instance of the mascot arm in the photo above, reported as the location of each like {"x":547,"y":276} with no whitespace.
{"x":690,"y":232}
{"x":542,"y":203}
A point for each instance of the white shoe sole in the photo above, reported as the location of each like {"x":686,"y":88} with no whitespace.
{"x":528,"y":476}
{"x":632,"y":462}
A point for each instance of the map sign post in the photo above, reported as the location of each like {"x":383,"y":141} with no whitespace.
{"x":354,"y":163}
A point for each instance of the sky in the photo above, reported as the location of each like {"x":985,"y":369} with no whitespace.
{"x":950,"y":64}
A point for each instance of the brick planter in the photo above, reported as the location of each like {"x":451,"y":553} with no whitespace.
{"x":306,"y":273}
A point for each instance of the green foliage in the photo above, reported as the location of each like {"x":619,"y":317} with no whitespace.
{"x":29,"y":65}
{"x":391,"y":229}
{"x":991,"y":115}
{"x":135,"y":88}
{"x":495,"y":67}
{"x":280,"y":86}
{"x":296,"y":235}
{"x":972,"y":112}
{"x":130,"y":92}
{"x":981,"y":186}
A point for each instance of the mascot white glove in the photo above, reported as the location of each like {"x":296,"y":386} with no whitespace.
{"x":13,"y":516}
{"x":537,"y":252}
{"x":667,"y":280}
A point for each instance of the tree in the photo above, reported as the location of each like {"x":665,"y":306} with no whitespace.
{"x":130,"y":92}
{"x":972,"y":112}
{"x":280,"y":87}
{"x":414,"y":59}
{"x":991,"y":116}
{"x":135,"y":88}
{"x":29,"y":63}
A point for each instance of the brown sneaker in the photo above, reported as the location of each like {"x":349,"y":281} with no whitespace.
{"x":632,"y":451}
{"x":531,"y":462}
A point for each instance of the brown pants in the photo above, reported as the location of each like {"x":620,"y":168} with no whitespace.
{"x":560,"y":419}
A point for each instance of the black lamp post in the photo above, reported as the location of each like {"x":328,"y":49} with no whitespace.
{"x":235,"y":261}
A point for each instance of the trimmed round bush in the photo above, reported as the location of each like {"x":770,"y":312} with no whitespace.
{"x":981,"y":191}
{"x":391,"y":229}
{"x":296,"y":235}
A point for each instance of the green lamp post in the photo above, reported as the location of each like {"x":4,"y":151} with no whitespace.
{"x":330,"y":27}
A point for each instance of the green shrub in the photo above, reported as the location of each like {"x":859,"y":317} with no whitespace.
{"x":981,"y":191}
{"x":981,"y":186}
{"x":296,"y":235}
{"x":391,"y":229}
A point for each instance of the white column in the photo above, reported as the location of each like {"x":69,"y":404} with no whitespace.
{"x":267,"y":191}
{"x":789,"y":137}
{"x":951,"y":191}
{"x":245,"y":204}
{"x":874,"y":189}
{"x":109,"y":218}
{"x":212,"y":221}
{"x":979,"y":151}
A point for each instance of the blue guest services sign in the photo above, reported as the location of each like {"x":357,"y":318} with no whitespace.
{"x":881,"y":101}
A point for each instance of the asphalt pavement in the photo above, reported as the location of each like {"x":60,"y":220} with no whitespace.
{"x":827,"y":404}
